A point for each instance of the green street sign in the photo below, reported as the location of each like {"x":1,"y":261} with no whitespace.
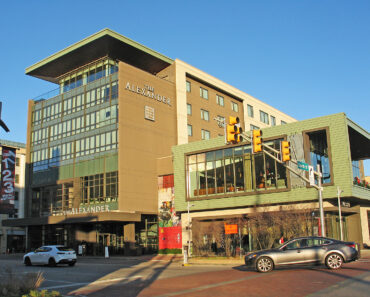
{"x":302,"y":165}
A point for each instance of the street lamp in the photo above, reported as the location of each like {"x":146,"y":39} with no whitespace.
{"x":339,"y":191}
{"x":189,"y":230}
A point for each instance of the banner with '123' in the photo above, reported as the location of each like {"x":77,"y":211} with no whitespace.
{"x":7,"y":178}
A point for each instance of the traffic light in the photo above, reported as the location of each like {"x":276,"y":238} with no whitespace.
{"x":233,"y":130}
{"x":257,"y":141}
{"x":285,"y":151}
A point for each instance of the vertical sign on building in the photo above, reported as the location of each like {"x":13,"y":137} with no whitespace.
{"x":7,"y":177}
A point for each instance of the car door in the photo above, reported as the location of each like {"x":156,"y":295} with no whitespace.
{"x":35,"y":256}
{"x":308,"y":250}
{"x":44,"y":255}
{"x":318,"y":249}
{"x":291,"y":253}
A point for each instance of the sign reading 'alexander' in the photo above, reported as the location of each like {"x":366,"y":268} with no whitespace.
{"x":84,"y":209}
{"x":148,"y":91}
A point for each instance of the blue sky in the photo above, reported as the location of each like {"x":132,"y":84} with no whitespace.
{"x":307,"y":58}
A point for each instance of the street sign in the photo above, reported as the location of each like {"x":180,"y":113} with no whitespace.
{"x":231,"y":229}
{"x":311,"y":175}
{"x":302,"y":165}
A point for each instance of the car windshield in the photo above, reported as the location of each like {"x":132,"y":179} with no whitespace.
{"x":64,"y":249}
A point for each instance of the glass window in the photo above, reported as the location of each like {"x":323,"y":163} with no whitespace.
{"x":283,"y":122}
{"x":253,"y":127}
{"x":273,"y":121}
{"x":234,"y":106}
{"x":234,"y":170}
{"x":206,"y":134}
{"x":204,"y":115}
{"x":190,"y":130}
{"x":189,"y":110}
{"x":293,"y":245}
{"x":220,"y":100}
{"x":221,"y":119}
{"x":250,"y":111}
{"x":319,"y":153}
{"x":188,"y":86}
{"x":356,"y":169}
{"x":264,"y":117}
{"x":203,"y":93}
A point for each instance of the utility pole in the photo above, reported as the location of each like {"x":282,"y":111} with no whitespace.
{"x":322,"y":219}
{"x":189,"y":229}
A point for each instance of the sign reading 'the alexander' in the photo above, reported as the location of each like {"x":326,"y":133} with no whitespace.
{"x":88,"y":209}
{"x":148,"y":91}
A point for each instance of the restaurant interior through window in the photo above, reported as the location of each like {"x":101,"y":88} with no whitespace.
{"x":233,"y":170}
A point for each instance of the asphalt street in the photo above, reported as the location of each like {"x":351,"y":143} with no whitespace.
{"x":166,"y":276}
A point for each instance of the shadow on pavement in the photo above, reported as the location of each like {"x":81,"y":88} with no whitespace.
{"x":129,"y":286}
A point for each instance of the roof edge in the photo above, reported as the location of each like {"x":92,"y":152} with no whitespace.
{"x":91,"y":38}
{"x":358,"y":128}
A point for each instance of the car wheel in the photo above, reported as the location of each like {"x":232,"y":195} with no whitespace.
{"x":27,"y":262}
{"x":72,"y":264}
{"x":334,"y":261}
{"x":264,"y":264}
{"x":52,"y":262}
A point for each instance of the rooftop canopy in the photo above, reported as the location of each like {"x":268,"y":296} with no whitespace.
{"x":101,"y":44}
{"x":359,"y":140}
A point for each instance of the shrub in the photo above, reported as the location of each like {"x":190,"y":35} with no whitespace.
{"x":170,"y":251}
{"x":43,"y":293}
{"x":13,"y":285}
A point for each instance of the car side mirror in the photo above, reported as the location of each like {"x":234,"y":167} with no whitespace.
{"x":283,"y":248}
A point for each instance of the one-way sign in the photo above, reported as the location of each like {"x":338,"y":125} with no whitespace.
{"x":311,"y":175}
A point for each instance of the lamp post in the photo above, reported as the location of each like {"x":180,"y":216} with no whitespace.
{"x":189,"y":230}
{"x":321,"y":206}
{"x":339,"y":191}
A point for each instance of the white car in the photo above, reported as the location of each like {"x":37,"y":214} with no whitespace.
{"x":51,"y":255}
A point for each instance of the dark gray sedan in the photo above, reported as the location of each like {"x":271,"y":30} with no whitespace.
{"x":304,"y":250}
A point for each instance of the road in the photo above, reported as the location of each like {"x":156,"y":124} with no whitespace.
{"x":165,"y":276}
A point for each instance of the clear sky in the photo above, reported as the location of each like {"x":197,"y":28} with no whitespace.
{"x":307,"y":58}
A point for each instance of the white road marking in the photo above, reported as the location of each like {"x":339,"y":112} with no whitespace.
{"x":91,"y":283}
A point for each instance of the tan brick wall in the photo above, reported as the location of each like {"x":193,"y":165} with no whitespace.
{"x":141,"y":141}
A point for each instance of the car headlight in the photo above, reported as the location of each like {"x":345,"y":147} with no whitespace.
{"x":251,"y":256}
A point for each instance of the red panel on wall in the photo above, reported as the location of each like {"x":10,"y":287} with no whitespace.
{"x":170,"y":238}
{"x":168,"y":181}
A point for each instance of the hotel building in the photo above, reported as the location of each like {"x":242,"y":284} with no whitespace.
{"x":98,"y":145}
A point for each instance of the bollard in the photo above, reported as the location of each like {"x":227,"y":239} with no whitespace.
{"x":185,"y":256}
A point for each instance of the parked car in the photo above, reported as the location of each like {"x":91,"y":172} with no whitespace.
{"x":51,"y":255}
{"x":304,"y":250}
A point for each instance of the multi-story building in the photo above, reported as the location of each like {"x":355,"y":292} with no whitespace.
{"x":219,"y":184}
{"x":96,"y":145}
{"x":12,"y":239}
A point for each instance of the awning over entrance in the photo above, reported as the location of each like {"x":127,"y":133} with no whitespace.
{"x":75,"y":218}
